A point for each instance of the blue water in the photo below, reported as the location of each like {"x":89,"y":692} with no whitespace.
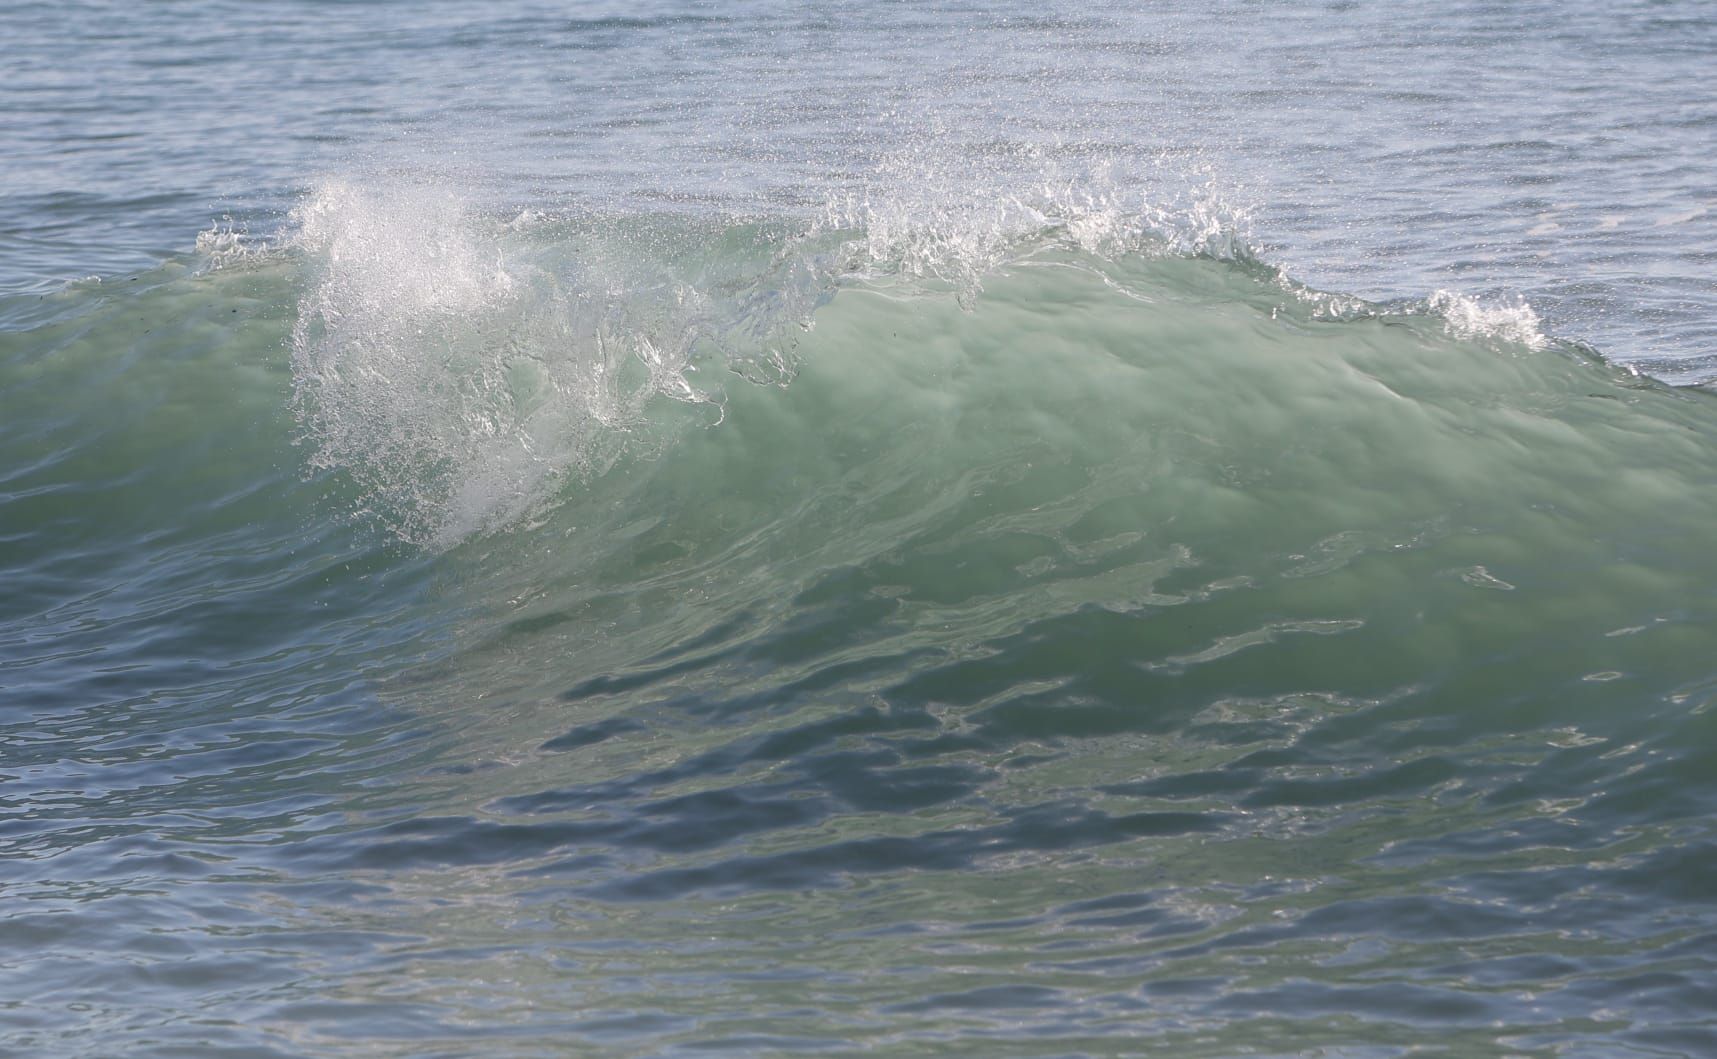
{"x":767,"y":529}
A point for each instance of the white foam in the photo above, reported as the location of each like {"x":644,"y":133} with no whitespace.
{"x":227,"y":242}
{"x":1512,"y":321}
{"x":456,"y":369}
{"x":400,"y":249}
{"x":926,"y":214}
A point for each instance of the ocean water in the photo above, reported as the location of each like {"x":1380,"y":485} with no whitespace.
{"x":761,"y":529}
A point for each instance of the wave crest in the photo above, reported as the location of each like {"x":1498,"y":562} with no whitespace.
{"x":460,"y":367}
{"x":927,"y":218}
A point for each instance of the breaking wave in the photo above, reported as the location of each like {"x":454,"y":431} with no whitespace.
{"x":465,"y":364}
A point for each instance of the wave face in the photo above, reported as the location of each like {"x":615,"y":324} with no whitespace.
{"x":1045,"y":631}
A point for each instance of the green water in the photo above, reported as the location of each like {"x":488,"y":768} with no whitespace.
{"x":1118,"y":653}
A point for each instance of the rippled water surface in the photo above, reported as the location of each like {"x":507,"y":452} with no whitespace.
{"x":857,"y":529}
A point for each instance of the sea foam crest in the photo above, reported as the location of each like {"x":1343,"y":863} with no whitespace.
{"x":227,"y":242}
{"x":459,"y":363}
{"x":925,"y":215}
{"x":1512,"y":321}
{"x":400,"y":250}
{"x":457,"y":366}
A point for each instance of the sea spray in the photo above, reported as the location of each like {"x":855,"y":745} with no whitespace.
{"x":455,"y":367}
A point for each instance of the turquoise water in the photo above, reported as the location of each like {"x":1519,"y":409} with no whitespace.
{"x":645,"y":534}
